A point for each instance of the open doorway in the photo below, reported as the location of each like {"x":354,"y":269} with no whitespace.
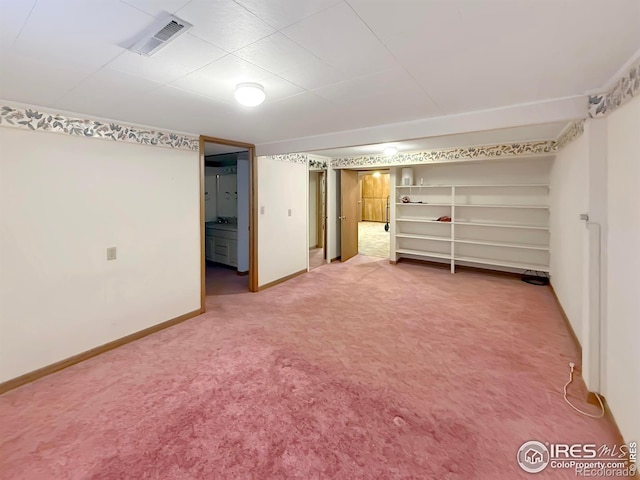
{"x":317,"y":217}
{"x":229,"y":256}
{"x":373,"y":213}
{"x":364,"y":213}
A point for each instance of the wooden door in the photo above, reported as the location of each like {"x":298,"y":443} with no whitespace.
{"x":375,"y":191}
{"x":348,"y":214}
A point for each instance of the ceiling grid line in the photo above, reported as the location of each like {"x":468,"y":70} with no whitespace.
{"x":395,"y":57}
{"x":26,"y":20}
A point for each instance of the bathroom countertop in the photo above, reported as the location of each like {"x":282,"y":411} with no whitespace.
{"x":228,"y":227}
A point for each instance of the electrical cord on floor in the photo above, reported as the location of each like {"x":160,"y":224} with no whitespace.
{"x":572,"y":367}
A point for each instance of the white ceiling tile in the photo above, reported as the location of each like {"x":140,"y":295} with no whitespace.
{"x":341,"y":39}
{"x":390,"y":82}
{"x":473,"y":87}
{"x":103,"y":94}
{"x":590,"y":44}
{"x":420,"y":32}
{"x":222,"y":90}
{"x":201,"y":115}
{"x":23,"y":80}
{"x":182,"y":56}
{"x":203,"y":85}
{"x":224,"y":23}
{"x":13,"y":14}
{"x":218,"y":80}
{"x":497,"y":61}
{"x":275,"y":53}
{"x":295,"y":116}
{"x":314,"y":73}
{"x":278,"y":88}
{"x":79,"y":34}
{"x":386,"y":107}
{"x":281,"y":13}
{"x":166,"y":107}
{"x":408,"y":15}
{"x":157,"y":8}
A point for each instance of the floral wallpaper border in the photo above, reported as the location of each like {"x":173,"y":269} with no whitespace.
{"x":35,"y":120}
{"x":301,"y":158}
{"x":570,"y":134}
{"x":627,"y":87}
{"x":315,"y":164}
{"x":289,"y":157}
{"x":466,"y":153}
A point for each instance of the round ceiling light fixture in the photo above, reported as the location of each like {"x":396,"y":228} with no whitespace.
{"x":390,"y":151}
{"x":250,"y":94}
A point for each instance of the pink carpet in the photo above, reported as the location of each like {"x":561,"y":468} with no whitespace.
{"x":360,"y":370}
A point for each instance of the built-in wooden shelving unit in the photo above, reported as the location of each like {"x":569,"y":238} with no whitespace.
{"x":499,"y":225}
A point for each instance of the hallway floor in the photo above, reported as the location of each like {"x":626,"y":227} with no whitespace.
{"x":316,"y":257}
{"x":373,"y":241}
{"x":222,"y":280}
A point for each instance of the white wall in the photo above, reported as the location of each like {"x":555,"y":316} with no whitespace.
{"x":599,"y":174}
{"x":503,"y":171}
{"x":282,"y":239}
{"x":244,"y":182}
{"x":622,"y":332}
{"x":568,"y":199}
{"x":313,"y":209}
{"x":65,"y":199}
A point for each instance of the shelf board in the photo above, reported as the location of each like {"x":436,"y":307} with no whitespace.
{"x":425,"y":204}
{"x":420,"y":220}
{"x":545,"y":207}
{"x":423,"y":237}
{"x":423,"y":186}
{"x":502,"y":225}
{"x":497,"y":185}
{"x":507,"y":185}
{"x":501,"y":263}
{"x":503,"y":244}
{"x":424,"y":253}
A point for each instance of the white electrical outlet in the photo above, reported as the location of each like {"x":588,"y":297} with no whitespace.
{"x":261,"y":209}
{"x":111,"y":253}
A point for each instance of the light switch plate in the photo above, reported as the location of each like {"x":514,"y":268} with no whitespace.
{"x":289,"y":212}
{"x":111,"y":253}
{"x":261,"y":209}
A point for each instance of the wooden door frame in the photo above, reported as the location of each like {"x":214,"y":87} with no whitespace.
{"x":253,"y":216}
{"x":360,"y":203}
{"x":321,"y":214}
{"x":339,"y":206}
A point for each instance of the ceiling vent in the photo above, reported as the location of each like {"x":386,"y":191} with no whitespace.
{"x":161,"y":35}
